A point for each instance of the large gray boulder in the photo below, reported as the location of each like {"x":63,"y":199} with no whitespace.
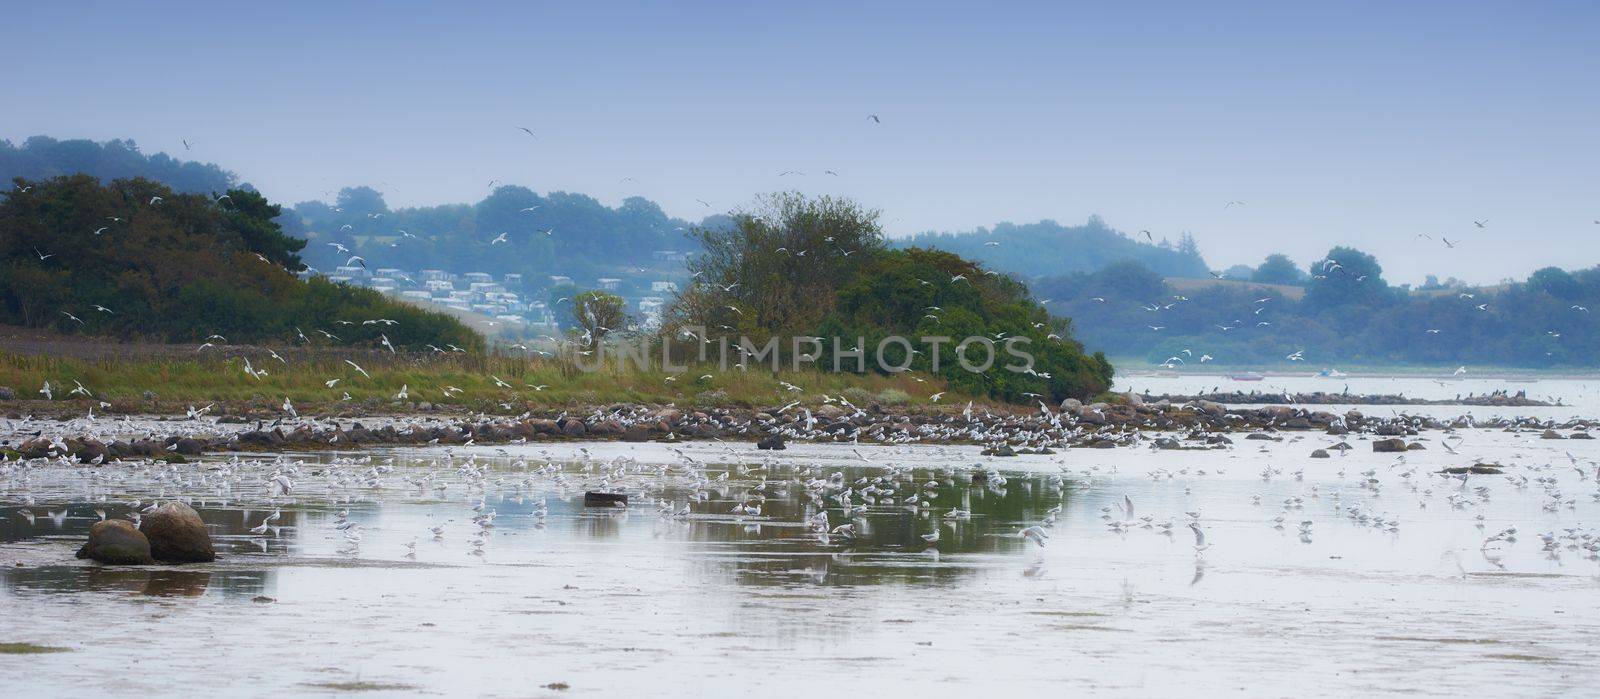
{"x":178,"y":535}
{"x":117,"y":542}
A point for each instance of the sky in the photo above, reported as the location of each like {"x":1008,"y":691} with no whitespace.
{"x":1354,"y":123}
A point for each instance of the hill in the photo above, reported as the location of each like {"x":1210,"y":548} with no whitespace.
{"x":136,"y":259}
{"x":512,"y":231}
{"x":1048,"y":248}
{"x":852,"y":290}
{"x":1345,"y":315}
{"x":42,"y":157}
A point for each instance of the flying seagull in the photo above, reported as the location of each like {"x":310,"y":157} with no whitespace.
{"x":528,"y":131}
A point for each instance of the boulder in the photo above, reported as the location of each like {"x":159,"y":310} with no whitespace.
{"x":771,"y":441}
{"x":1002,"y":450}
{"x":1389,"y":445}
{"x":87,"y":450}
{"x":189,"y":446}
{"x":178,"y":535}
{"x":117,"y":542}
{"x":1319,"y":454}
{"x":636,"y":433}
{"x":573,"y":428}
{"x":1416,"y":446}
{"x":1580,"y":435}
{"x":1551,"y":434}
{"x":7,"y":394}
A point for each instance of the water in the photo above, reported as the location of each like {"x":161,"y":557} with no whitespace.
{"x":633,"y":601}
{"x":1577,"y":396}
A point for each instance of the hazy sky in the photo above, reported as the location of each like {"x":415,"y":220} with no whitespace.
{"x":1357,"y":123}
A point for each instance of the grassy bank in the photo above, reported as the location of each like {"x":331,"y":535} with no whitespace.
{"x":490,"y":383}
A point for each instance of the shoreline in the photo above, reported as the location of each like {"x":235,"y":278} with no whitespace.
{"x":1158,"y":425}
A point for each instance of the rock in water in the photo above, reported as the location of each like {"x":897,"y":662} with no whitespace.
{"x":178,"y":535}
{"x":117,"y":542}
{"x":595,"y":498}
{"x":771,"y":441}
{"x":1389,"y":445}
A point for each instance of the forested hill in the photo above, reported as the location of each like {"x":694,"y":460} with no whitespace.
{"x":133,"y":259}
{"x":1048,"y":248}
{"x":555,"y":233}
{"x":42,"y":157}
{"x":512,"y":230}
{"x":1347,"y":315}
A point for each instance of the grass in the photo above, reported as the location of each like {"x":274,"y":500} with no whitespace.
{"x":183,"y":379}
{"x":29,"y":649}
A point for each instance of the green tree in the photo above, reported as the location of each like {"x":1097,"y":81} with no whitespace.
{"x":1277,"y":269}
{"x":598,"y":313}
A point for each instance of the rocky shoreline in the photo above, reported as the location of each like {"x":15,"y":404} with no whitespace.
{"x":1161,"y":424}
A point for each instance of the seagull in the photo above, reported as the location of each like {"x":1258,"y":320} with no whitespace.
{"x":498,"y":239}
{"x":528,"y":131}
{"x":1199,"y":538}
{"x":1481,"y":224}
{"x":1035,"y":533}
{"x":874,"y":118}
{"x":156,"y":200}
{"x":357,"y":368}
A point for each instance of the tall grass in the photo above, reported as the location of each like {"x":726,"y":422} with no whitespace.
{"x":492,"y":382}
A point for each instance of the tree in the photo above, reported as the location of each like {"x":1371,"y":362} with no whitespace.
{"x":255,"y":219}
{"x":1556,"y":282}
{"x":776,"y":270}
{"x":598,"y":313}
{"x":1346,"y":278}
{"x":1277,"y":269}
{"x":362,"y":201}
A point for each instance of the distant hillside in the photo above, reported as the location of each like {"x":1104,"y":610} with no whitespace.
{"x":42,"y":157}
{"x":1346,"y":314}
{"x":513,"y":230}
{"x":1187,"y":285}
{"x":1048,"y":248}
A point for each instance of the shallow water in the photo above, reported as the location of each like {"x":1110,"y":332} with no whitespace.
{"x":610,"y":601}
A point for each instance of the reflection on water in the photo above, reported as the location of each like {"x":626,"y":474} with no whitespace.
{"x":405,"y":567}
{"x":146,"y":580}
